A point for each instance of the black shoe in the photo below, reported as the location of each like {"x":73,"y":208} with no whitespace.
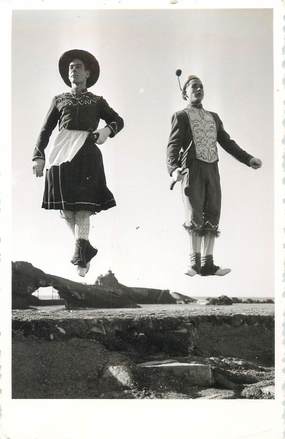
{"x":192,"y":271}
{"x":210,"y":269}
{"x":195,"y":265}
{"x":83,"y":253}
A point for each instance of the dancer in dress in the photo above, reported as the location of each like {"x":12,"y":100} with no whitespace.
{"x":192,"y":158}
{"x":75,"y":182}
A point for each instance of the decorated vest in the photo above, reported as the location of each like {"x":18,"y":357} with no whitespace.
{"x":204,"y":131}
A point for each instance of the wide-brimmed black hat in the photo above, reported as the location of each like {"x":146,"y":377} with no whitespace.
{"x":87,"y":58}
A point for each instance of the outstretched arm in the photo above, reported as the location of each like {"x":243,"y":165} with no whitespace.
{"x":232,"y":147}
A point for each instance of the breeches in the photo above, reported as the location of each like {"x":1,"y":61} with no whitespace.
{"x":201,"y":193}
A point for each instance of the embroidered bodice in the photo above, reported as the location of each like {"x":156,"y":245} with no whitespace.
{"x":181,"y":136}
{"x":77,"y":111}
{"x":204,"y":132}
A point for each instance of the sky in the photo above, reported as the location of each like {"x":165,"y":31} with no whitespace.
{"x":142,"y":240}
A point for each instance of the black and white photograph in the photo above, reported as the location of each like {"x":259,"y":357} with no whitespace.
{"x":144,"y":221}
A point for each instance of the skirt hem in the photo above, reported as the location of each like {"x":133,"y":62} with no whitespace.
{"x":91,"y":207}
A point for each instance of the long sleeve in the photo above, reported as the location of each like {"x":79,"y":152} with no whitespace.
{"x":175,"y":143}
{"x":50,"y":123}
{"x":113,"y":120}
{"x":230,"y":145}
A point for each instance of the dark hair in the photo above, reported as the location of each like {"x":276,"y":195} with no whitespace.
{"x":185,"y":86}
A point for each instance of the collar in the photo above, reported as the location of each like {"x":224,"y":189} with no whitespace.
{"x":200,"y":106}
{"x":78,"y":93}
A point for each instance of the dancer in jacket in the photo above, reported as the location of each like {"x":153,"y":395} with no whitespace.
{"x":75,"y":182}
{"x":192,"y":158}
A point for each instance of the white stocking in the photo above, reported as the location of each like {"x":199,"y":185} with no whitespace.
{"x":209,"y":242}
{"x":195,"y":242}
{"x":82,"y":224}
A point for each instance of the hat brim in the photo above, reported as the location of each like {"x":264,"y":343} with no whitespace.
{"x":87,"y":58}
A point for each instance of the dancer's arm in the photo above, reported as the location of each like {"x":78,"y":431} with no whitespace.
{"x":114,"y":122}
{"x":45,"y":133}
{"x":232,"y":147}
{"x":174,"y":146}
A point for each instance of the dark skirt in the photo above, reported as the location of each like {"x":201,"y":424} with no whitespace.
{"x":79,"y":184}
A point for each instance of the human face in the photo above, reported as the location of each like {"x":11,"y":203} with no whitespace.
{"x":77,"y":73}
{"x":195,"y":91}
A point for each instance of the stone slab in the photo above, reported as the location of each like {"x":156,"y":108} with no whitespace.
{"x":191,"y":373}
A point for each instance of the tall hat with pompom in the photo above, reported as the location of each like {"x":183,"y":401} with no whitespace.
{"x":178,"y":74}
{"x":183,"y":89}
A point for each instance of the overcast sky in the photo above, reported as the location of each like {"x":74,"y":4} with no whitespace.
{"x":142,"y":239}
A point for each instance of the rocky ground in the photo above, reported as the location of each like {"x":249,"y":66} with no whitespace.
{"x":107,"y":292}
{"x":156,"y":351}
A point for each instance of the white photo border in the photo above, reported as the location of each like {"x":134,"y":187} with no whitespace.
{"x":68,"y":419}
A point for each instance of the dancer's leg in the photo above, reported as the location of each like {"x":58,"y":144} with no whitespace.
{"x":211,"y":223}
{"x":208,"y":267}
{"x":193,"y":200}
{"x":207,"y":255}
{"x":209,"y":242}
{"x":84,"y":251}
{"x":82,"y":224}
{"x":195,"y":253}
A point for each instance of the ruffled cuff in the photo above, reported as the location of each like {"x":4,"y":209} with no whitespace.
{"x":203,"y":229}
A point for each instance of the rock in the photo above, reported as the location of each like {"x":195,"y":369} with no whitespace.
{"x":216,"y":394}
{"x":73,"y":355}
{"x":106,"y":293}
{"x":174,"y":375}
{"x":223,"y":379}
{"x":143,"y":295}
{"x":120,"y":376}
{"x":23,"y":302}
{"x":269,"y":391}
{"x":181,"y":298}
{"x":26,"y":279}
{"x":261,"y":390}
{"x":70,"y":368}
{"x":257,"y":300}
{"x":221,"y":300}
{"x":237,"y":320}
{"x":252,"y":300}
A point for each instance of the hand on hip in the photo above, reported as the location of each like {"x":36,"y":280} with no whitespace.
{"x":104,"y":133}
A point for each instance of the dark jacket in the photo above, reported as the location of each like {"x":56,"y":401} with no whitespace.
{"x":181,"y":136}
{"x":81,"y":111}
